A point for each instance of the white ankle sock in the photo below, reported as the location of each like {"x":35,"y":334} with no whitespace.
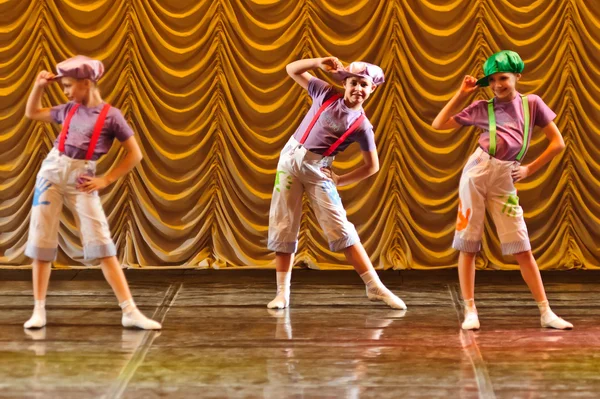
{"x":132,"y":317}
{"x":543,"y":306}
{"x":376,"y":291}
{"x":549,"y":319}
{"x":471,"y":321}
{"x":127,"y":305}
{"x":282,"y":299}
{"x":469,"y":305}
{"x":38,"y":318}
{"x":370,"y":277}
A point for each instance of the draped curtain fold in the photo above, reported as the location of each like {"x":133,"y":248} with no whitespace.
{"x":203,"y":85}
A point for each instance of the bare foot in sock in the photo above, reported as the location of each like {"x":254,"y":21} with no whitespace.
{"x":550,"y":320}
{"x":132,"y":317}
{"x":471,"y":321}
{"x":135,"y":318}
{"x":378,"y":292}
{"x":281,"y":301}
{"x":282,"y":298}
{"x":38,"y":318}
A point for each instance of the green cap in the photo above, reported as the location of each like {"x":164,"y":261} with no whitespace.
{"x":503,"y":61}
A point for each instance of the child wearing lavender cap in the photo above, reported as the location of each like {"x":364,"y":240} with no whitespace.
{"x":67,"y":176}
{"x":335,"y":120}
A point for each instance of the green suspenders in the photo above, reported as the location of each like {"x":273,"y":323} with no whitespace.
{"x":492,"y":127}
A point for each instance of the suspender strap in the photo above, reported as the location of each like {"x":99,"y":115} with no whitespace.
{"x":65,"y":128}
{"x":95,"y":135}
{"x":97,"y":130}
{"x":492,"y":127}
{"x":343,"y":137}
{"x":525,"y":128}
{"x":326,"y":104}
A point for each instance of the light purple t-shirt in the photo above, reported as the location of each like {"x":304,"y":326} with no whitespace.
{"x":509,"y":123}
{"x":333,"y":122}
{"x":82,"y":127}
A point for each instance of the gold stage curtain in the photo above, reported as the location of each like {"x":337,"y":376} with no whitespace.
{"x":203,"y":84}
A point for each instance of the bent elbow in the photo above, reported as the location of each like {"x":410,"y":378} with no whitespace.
{"x":374,"y":169}
{"x":288,"y":69}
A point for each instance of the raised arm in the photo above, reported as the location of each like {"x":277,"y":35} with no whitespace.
{"x":298,"y":70}
{"x":445,"y":120}
{"x":33,"y":109}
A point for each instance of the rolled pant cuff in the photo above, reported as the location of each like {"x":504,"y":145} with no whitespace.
{"x":284,"y":247}
{"x":99,"y":251}
{"x":463,"y":245}
{"x":38,"y":253}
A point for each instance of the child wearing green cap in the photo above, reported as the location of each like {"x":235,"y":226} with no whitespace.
{"x":487,"y":180}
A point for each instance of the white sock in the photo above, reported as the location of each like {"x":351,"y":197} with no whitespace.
{"x":471,"y":321}
{"x":132,"y":317}
{"x":550,"y":320}
{"x":376,"y":291}
{"x":128,"y":305}
{"x":38,"y":318}
{"x":469,"y":305}
{"x":282,"y":298}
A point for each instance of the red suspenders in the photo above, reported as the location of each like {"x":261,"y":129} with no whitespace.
{"x":95,"y":135}
{"x":343,"y":137}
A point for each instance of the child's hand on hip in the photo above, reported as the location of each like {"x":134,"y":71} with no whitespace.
{"x":89,"y":184}
{"x":330,"y":175}
{"x":519,"y":173}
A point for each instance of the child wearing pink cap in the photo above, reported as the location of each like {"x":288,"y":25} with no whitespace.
{"x":334,"y":121}
{"x":487,"y":181}
{"x":67,"y":176}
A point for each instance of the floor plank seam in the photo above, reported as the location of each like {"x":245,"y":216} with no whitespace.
{"x":122,"y":381}
{"x":471,"y":349}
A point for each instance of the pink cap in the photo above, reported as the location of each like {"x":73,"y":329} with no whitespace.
{"x":80,"y":67}
{"x":361,"y":69}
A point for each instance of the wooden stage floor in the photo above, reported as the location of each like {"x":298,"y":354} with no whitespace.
{"x":220,"y":341}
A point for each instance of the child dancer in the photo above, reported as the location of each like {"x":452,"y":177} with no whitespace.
{"x":334,"y":121}
{"x":487,"y":180}
{"x":67,"y":175}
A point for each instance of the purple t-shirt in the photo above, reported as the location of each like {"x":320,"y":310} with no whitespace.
{"x":509,"y":123}
{"x":82,"y":127}
{"x":333,"y":122}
